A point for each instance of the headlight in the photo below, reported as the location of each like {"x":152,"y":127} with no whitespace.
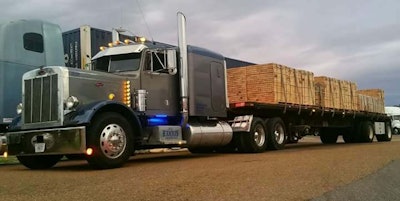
{"x":71,"y":102}
{"x":19,"y":108}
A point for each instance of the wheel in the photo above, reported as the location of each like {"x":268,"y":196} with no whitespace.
{"x":366,"y":131}
{"x":39,"y":162}
{"x":387,"y":136}
{"x":256,"y":140}
{"x":349,"y":135}
{"x":276,"y":134}
{"x":349,"y":138}
{"x":396,"y":131}
{"x":110,"y":137}
{"x":328,"y":136}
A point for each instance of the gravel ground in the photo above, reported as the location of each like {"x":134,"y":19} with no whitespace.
{"x":300,"y":172}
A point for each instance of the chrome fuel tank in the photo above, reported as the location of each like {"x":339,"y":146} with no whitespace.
{"x":208,"y":134}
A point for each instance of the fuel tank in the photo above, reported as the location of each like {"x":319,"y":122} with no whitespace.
{"x":208,"y":134}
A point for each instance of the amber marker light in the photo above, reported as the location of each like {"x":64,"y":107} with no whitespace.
{"x":111,"y":96}
{"x":127,"y":92}
{"x":5,"y":154}
{"x":89,"y":151}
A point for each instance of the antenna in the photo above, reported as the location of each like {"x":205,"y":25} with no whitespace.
{"x":144,"y":19}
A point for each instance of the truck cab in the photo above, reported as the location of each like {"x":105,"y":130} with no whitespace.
{"x":138,"y":96}
{"x":394,"y":114}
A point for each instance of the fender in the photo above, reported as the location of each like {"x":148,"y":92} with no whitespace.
{"x":85,"y":113}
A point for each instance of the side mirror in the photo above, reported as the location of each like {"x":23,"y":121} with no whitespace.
{"x":171,"y":62}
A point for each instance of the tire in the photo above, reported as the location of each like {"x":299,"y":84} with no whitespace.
{"x":276,"y":134}
{"x":396,"y":131}
{"x":366,"y":131}
{"x":111,"y":138}
{"x":349,"y":135}
{"x":387,"y":136}
{"x":349,"y":138}
{"x":256,"y":140}
{"x":39,"y":162}
{"x":328,"y":136}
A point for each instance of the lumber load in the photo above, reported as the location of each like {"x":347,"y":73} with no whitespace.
{"x":371,"y":100}
{"x":336,"y":94}
{"x":271,"y":83}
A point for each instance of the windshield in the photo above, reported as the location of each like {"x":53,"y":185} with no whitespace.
{"x":117,"y":63}
{"x":396,"y":117}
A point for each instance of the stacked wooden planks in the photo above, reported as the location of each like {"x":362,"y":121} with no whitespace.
{"x":271,"y":83}
{"x":371,"y":100}
{"x":336,"y":94}
{"x":274,"y":83}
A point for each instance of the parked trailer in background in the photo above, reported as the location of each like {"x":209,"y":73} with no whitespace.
{"x":147,"y":95}
{"x":24,"y":45}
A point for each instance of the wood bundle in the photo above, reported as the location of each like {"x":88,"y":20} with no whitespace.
{"x":271,"y":83}
{"x":335,"y":93}
{"x":371,"y":100}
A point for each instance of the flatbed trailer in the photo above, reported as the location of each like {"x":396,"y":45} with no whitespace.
{"x":291,"y":122}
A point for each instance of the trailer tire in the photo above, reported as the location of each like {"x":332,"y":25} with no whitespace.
{"x":276,"y":134}
{"x":366,"y":131}
{"x":387,"y":136}
{"x":328,"y":136}
{"x":254,"y":141}
{"x":349,"y":138}
{"x":39,"y":162}
{"x":110,"y":137}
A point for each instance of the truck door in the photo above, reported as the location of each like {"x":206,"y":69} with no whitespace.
{"x":162,"y":87}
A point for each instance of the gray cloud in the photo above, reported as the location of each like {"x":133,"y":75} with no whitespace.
{"x":356,"y":40}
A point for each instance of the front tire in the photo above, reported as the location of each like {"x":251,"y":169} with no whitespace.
{"x":39,"y":162}
{"x":110,"y":137}
{"x":256,"y":140}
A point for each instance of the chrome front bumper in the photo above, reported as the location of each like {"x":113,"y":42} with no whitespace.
{"x":70,"y":140}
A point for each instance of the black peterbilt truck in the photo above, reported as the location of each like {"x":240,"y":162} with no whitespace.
{"x":154,"y":96}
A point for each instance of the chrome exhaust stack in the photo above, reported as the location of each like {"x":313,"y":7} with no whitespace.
{"x":183,"y":58}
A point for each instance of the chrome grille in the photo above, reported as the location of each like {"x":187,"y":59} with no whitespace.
{"x":40,"y":100}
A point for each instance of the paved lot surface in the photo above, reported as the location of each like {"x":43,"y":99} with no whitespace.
{"x":300,"y":172}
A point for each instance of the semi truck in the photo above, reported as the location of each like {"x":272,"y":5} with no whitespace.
{"x":394,"y":113}
{"x":148,"y":95}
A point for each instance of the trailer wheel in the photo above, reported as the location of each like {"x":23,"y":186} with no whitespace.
{"x":366,"y":131}
{"x":387,"y":136}
{"x":276,"y":134}
{"x":110,"y":137}
{"x":349,"y":138}
{"x":328,"y":136}
{"x":39,"y":162}
{"x":256,"y":140}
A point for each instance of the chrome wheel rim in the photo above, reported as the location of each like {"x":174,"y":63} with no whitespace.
{"x":259,"y":135}
{"x":279,"y":134}
{"x":371,"y":133}
{"x":113,"y":141}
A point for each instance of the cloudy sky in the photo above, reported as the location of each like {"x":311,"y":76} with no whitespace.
{"x":357,"y":40}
